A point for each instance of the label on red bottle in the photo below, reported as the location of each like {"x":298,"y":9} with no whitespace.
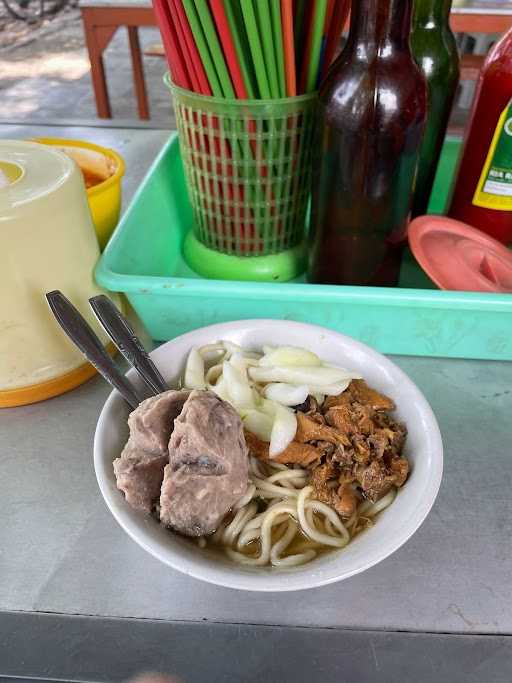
{"x":494,"y":189}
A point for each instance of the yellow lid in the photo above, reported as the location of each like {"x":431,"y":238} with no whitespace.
{"x":54,"y":387}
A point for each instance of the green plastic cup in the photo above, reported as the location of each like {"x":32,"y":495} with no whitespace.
{"x":247,"y":166}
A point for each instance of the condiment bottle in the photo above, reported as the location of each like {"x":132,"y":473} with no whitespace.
{"x":371,"y":118}
{"x":483,"y":191}
{"x":435,"y":51}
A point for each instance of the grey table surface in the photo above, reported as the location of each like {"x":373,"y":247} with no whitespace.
{"x":62,"y":552}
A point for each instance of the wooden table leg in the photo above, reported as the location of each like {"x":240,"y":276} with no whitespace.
{"x":99,"y":84}
{"x":138,"y":73}
{"x":97,"y":38}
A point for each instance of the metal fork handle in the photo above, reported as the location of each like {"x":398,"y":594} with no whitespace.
{"x":84,"y":337}
{"x":124,"y":337}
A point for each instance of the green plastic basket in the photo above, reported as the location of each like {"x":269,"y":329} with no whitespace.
{"x":247,"y":167}
{"x":415,"y":318}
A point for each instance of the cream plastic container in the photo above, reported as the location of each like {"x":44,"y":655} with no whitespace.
{"x":47,"y":241}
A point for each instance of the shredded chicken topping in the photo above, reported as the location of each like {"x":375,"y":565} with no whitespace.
{"x":351,"y":445}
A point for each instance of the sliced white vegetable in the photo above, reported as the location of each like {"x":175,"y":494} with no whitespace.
{"x":241,"y":362}
{"x":290,"y":355}
{"x":286,"y":394}
{"x":214,"y":373}
{"x":238,"y":386}
{"x":300,"y":375}
{"x":258,"y":423}
{"x":350,"y":373}
{"x":283,"y":430}
{"x":232,"y":348}
{"x":221,"y":390}
{"x":329,"y":389}
{"x":268,"y":407}
{"x":194,"y":371}
{"x":218,"y":347}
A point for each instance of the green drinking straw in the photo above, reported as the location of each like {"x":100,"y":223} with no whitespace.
{"x":277,"y":28}
{"x":202,"y":48}
{"x":240,"y":43}
{"x":257,"y":53}
{"x":215,"y":49}
{"x":266,"y":36}
{"x":318,"y":22}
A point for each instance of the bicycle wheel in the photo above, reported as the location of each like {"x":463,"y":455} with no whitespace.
{"x":26,"y":10}
{"x":54,"y":6}
{"x":33,"y":10}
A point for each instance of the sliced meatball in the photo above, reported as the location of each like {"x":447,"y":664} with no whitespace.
{"x":208,"y":466}
{"x":140,"y":469}
{"x":152,"y":422}
{"x":139,"y":476}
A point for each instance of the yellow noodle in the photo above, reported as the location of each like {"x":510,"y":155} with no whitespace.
{"x":239,"y":521}
{"x":287,"y":474}
{"x":259,"y":538}
{"x":265,"y":538}
{"x":309,"y":529}
{"x":249,"y":495}
{"x":266,"y":490}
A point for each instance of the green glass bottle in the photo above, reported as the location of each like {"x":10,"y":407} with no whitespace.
{"x":435,"y":51}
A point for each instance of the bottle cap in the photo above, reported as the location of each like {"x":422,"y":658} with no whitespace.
{"x":457,"y":256}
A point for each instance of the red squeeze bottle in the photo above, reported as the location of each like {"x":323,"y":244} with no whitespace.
{"x":483,"y":192}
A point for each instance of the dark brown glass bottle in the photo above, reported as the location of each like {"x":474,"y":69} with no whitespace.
{"x":371,"y":119}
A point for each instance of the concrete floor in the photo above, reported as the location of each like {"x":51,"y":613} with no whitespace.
{"x":45,"y":75}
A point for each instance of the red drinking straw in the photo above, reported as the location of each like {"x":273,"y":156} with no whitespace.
{"x":202,"y":84}
{"x":328,"y":15}
{"x":339,"y":17}
{"x":228,"y":46}
{"x":230,"y":54}
{"x":289,"y":47}
{"x":199,"y":84}
{"x":233,"y":63}
{"x":189,"y":60}
{"x":175,"y":58}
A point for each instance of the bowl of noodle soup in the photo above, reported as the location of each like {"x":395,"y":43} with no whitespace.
{"x":280,"y":497}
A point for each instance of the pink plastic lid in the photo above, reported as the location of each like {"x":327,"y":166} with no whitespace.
{"x":459,"y":257}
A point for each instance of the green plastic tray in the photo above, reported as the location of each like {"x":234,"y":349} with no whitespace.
{"x":144,"y":260}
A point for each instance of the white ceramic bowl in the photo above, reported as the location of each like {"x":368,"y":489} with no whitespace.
{"x":394,"y":526}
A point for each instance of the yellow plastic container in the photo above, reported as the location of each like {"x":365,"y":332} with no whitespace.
{"x":105,"y":197}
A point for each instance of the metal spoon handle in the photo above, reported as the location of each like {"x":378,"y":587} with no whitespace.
{"x":124,"y":337}
{"x":84,"y":337}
